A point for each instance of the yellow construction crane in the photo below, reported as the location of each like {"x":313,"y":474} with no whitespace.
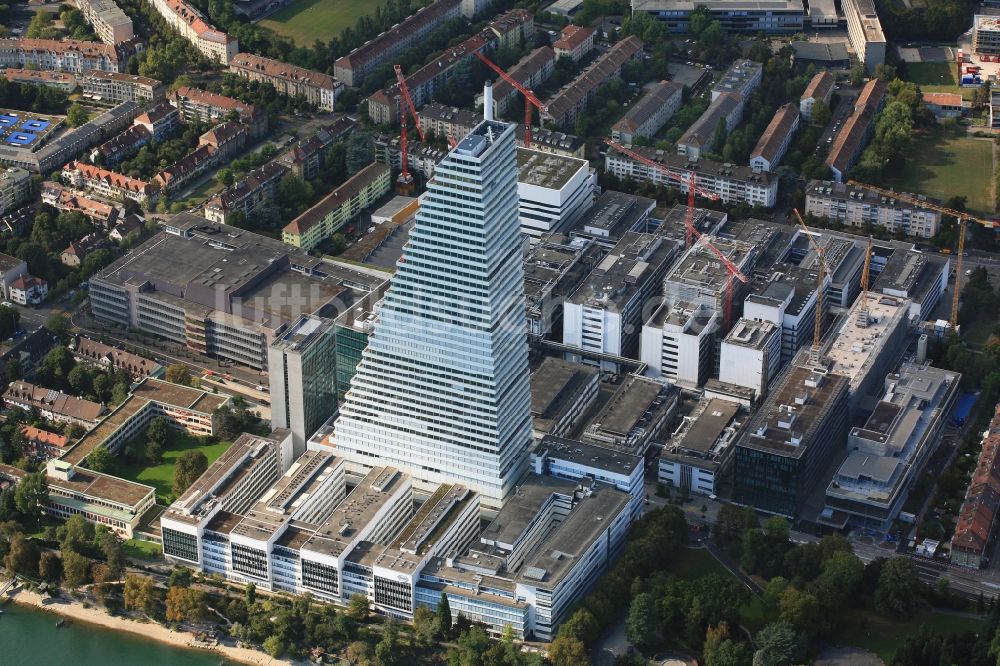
{"x":959,"y":215}
{"x":823,"y":271}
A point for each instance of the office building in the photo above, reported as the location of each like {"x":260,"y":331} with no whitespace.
{"x":698,"y":454}
{"x":220,"y":290}
{"x":637,"y":415}
{"x":317,"y":224}
{"x":562,"y":107}
{"x":865,"y":33}
{"x":67,"y":55}
{"x":319,"y":89}
{"x":700,"y":280}
{"x":118,"y":87}
{"x":562,"y":393}
{"x":193,"y":26}
{"x":553,"y":267}
{"x":753,"y":16}
{"x":974,"y":532}
{"x":919,"y":277}
{"x":678,"y":342}
{"x":574,"y":42}
{"x":986,"y":35}
{"x":15,"y":185}
{"x":787,"y":299}
{"x":301,"y":365}
{"x":612,"y":215}
{"x":750,"y":355}
{"x":101,"y":499}
{"x":887,"y":455}
{"x":776,"y":139}
{"x":859,"y":207}
{"x":602,"y":317}
{"x":553,"y":191}
{"x":110,"y":23}
{"x":442,"y":390}
{"x":733,"y":184}
{"x":355,"y":67}
{"x":790,"y":441}
{"x":650,"y":113}
{"x":575,"y":460}
{"x":820,"y":89}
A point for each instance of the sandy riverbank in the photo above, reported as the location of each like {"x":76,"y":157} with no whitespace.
{"x":75,"y":611}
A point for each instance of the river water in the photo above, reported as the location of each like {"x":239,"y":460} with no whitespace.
{"x":28,"y":637}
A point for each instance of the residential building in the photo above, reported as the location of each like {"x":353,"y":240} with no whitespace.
{"x":859,"y":207}
{"x":650,"y":113}
{"x":637,"y":415}
{"x":94,"y":352}
{"x":110,"y":23}
{"x":776,"y":138}
{"x":865,"y":33}
{"x":944,"y":105}
{"x":29,"y":351}
{"x":42,"y":444}
{"x":101,"y":214}
{"x":820,"y":89}
{"x":726,"y":110}
{"x":698,"y":454}
{"x":246,"y":196}
{"x":574,"y":42}
{"x":750,"y":355}
{"x":10,"y":269}
{"x":319,"y":223}
{"x":15,"y":187}
{"x":192,"y":25}
{"x":791,"y":440}
{"x":551,"y":141}
{"x":53,"y":405}
{"x":59,"y":80}
{"x":317,"y":88}
{"x":448,"y":121}
{"x":781,"y":17}
{"x":108,"y":184}
{"x":220,"y":290}
{"x":121,"y":147}
{"x":531,"y":72}
{"x":602,"y":317}
{"x":302,"y":367}
{"x":562,"y":107}
{"x":741,"y":78}
{"x":887,"y":455}
{"x":130,"y":225}
{"x":467,"y":385}
{"x":562,"y":393}
{"x":78,"y":249}
{"x":553,"y":191}
{"x":101,"y":499}
{"x":857,"y":130}
{"x":355,"y":67}
{"x":212,"y":108}
{"x":986,"y":35}
{"x":733,"y":184}
{"x":305,"y":158}
{"x":975,"y":530}
{"x":28,"y":290}
{"x":66,"y":55}
{"x":161,"y":121}
{"x":120,"y":87}
{"x":183,"y":407}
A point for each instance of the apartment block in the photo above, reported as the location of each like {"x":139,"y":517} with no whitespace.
{"x":99,"y":213}
{"x":857,"y":130}
{"x":246,"y":196}
{"x":574,"y":42}
{"x":975,"y":531}
{"x":97,"y":353}
{"x":781,"y":17}
{"x":333,"y":211}
{"x":741,"y":78}
{"x":194,"y":26}
{"x":110,"y":23}
{"x":53,"y":405}
{"x":59,"y":55}
{"x":15,"y":187}
{"x":212,"y":108}
{"x":317,"y":88}
{"x":53,"y":79}
{"x":121,"y":146}
{"x":650,"y":113}
{"x":161,"y":121}
{"x":108,"y":184}
{"x":531,"y":72}
{"x":776,"y":138}
{"x":820,"y":89}
{"x":726,"y":109}
{"x":116,"y":87}
{"x":859,"y":207}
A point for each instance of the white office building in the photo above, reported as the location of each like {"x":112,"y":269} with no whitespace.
{"x":750,"y":356}
{"x":442,"y":390}
{"x":553,"y":191}
{"x":678,"y":343}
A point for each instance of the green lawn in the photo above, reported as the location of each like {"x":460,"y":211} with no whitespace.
{"x":943,"y":163}
{"x":883,"y":637}
{"x":161,"y":476}
{"x":691,"y":564}
{"x":937,"y":77}
{"x":142,"y":550}
{"x":305,"y":21}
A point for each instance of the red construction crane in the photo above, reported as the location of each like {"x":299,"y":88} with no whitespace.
{"x":692,"y":185}
{"x":529,"y":97}
{"x":405,"y":179}
{"x":693,"y":234}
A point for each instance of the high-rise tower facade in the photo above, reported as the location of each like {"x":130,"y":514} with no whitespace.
{"x":442,"y":389}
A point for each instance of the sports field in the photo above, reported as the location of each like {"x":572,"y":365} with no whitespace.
{"x":305,"y":21}
{"x":944,"y":163}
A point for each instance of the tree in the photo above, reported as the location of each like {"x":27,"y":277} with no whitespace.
{"x":640,"y":627}
{"x":839,"y":581}
{"x":858,"y":74}
{"x":359,"y":152}
{"x":424,"y":624}
{"x":185,"y":604}
{"x":191,"y":465}
{"x":800,"y":609}
{"x":250,"y":594}
{"x":76,"y":568}
{"x":139,"y":593}
{"x":777,"y":645}
{"x":179,"y":577}
{"x":388,"y":650}
{"x":41,"y":26}
{"x":77,"y":535}
{"x":100,"y":574}
{"x":12,"y":370}
{"x":50,"y":567}
{"x":76,"y":115}
{"x":274,"y":646}
{"x":157,"y":437}
{"x":443,"y":629}
{"x":31,"y":494}
{"x":565,"y":651}
{"x":357,"y":608}
{"x":22,"y":555}
{"x":821,"y":113}
{"x":178,"y":373}
{"x":100,"y":459}
{"x":114,"y":554}
{"x":9,"y":319}
{"x":58,"y":323}
{"x":898,"y":588}
{"x":721,"y":650}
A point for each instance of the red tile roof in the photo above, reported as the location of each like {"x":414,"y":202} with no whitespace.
{"x":572,"y":37}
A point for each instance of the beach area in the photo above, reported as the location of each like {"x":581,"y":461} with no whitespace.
{"x":76,"y":612}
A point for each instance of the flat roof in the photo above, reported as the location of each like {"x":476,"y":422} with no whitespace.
{"x":521,"y":508}
{"x":705,"y":425}
{"x":591,"y":455}
{"x":635,"y":260}
{"x":756,"y":6}
{"x":92,"y":484}
{"x":547,"y":170}
{"x":700,"y":268}
{"x":555,"y":381}
{"x":636,"y":396}
{"x":861,"y":339}
{"x":616,"y":212}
